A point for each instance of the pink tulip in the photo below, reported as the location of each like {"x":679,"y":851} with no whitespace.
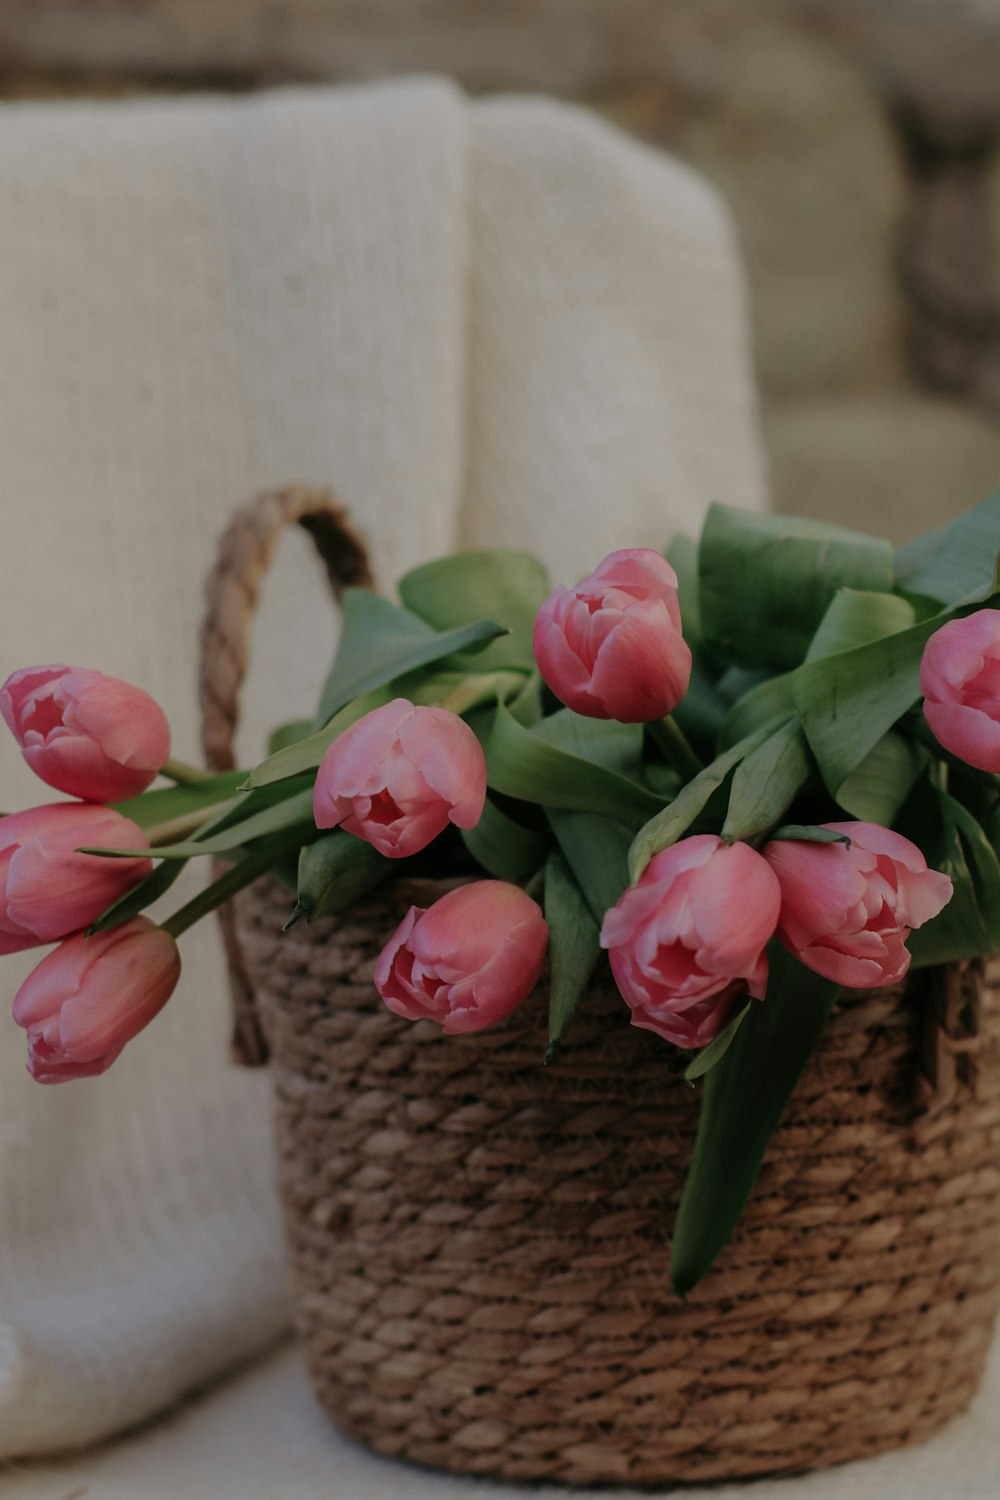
{"x":398,"y":776}
{"x":86,"y":734}
{"x":690,"y":937}
{"x":468,"y":960}
{"x":612,"y":647}
{"x":960,"y":681}
{"x":90,"y":996}
{"x":847,"y":910}
{"x":48,"y":890}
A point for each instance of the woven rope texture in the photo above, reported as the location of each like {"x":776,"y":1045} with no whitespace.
{"x":480,"y":1244}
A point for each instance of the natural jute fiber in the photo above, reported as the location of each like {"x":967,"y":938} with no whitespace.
{"x":480,"y":1243}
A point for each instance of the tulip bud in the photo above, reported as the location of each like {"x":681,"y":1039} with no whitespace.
{"x":612,"y":647}
{"x":90,"y":996}
{"x":690,"y":937}
{"x":399,"y":775}
{"x":47,"y":889}
{"x":468,"y":960}
{"x":960,"y":681}
{"x":84,"y":733}
{"x":847,"y":910}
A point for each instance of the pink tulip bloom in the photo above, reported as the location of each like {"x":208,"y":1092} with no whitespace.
{"x":86,"y":734}
{"x":398,"y":776}
{"x":960,"y":681}
{"x":48,"y":890}
{"x":690,"y":937}
{"x":847,"y":910}
{"x":612,"y":647}
{"x":468,"y":960}
{"x":90,"y":996}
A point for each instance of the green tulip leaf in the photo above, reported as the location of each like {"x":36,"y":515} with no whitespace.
{"x":528,"y":705}
{"x":573,"y":946}
{"x":520,"y":763}
{"x":294,"y":810}
{"x":970,"y":924}
{"x":596,"y":850}
{"x":604,"y":742}
{"x":505,"y":848}
{"x":288,"y":734}
{"x":766,"y":782}
{"x":702,"y":710}
{"x":877,"y":788}
{"x":958,"y":559}
{"x":166,"y":803}
{"x":682,"y":555}
{"x":809,"y":833}
{"x":705,"y":1060}
{"x":766,"y":705}
{"x":258,"y":861}
{"x":744,"y":1097}
{"x":452,"y":592}
{"x":381,"y":641}
{"x":334,"y":871}
{"x":848,"y":702}
{"x":138,"y":898}
{"x":306,"y":754}
{"x":854,"y":618}
{"x":163,"y":876}
{"x":766,"y":581}
{"x":667,"y":826}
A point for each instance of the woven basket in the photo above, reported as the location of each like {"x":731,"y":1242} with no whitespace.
{"x":480,"y":1244}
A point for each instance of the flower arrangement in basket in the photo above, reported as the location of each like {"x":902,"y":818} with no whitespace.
{"x":759,"y":773}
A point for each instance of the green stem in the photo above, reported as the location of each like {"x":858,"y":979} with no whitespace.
{"x":675,"y":745}
{"x":175,"y":829}
{"x":475,"y":691}
{"x":184,"y":775}
{"x":234,"y":879}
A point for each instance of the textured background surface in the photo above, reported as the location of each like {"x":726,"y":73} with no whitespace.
{"x":855,"y":140}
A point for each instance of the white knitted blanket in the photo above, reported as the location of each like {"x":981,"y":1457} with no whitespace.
{"x":499,"y":323}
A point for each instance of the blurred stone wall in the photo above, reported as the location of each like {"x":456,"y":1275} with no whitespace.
{"x":855,"y":140}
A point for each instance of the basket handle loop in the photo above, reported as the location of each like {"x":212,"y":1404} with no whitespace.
{"x":244,"y":554}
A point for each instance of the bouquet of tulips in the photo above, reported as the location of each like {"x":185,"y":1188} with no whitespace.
{"x":757,"y":770}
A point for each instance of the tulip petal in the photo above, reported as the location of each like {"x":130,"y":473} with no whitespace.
{"x":90,"y":996}
{"x":736,"y":900}
{"x":49,"y":890}
{"x":130,"y":726}
{"x":969,"y":733}
{"x":957,"y":652}
{"x":450,"y":760}
{"x":643,"y":668}
{"x":348,"y":766}
{"x":612,"y":647}
{"x":691,"y":936}
{"x":141,"y":970}
{"x":563,"y":670}
{"x":509,"y":975}
{"x":820,"y":885}
{"x":466,"y":961}
{"x":19,"y":688}
{"x":875,"y":839}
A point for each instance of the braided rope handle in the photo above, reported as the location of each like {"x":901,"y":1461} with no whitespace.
{"x":245,"y":551}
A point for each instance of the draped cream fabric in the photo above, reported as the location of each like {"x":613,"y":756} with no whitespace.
{"x":497,"y":323}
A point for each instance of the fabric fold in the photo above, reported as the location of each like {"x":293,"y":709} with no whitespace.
{"x":483,"y":324}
